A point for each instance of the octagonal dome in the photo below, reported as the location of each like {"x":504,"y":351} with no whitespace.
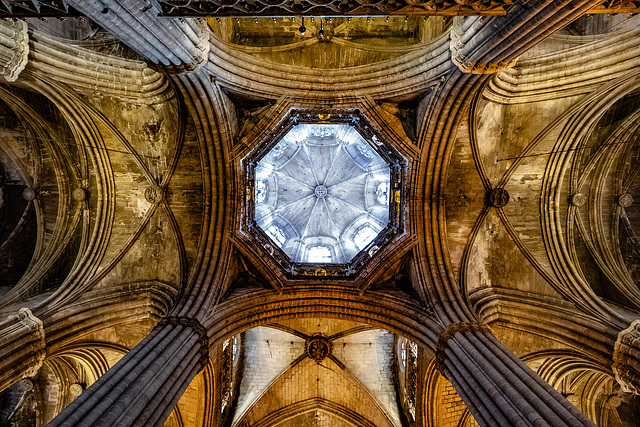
{"x":322,"y":193}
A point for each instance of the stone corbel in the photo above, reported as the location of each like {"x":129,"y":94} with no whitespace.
{"x":466,"y":66}
{"x":458,"y":42}
{"x":626,"y":358}
{"x":26,"y":319}
{"x":14,"y":48}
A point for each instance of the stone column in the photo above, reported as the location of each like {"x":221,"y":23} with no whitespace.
{"x":14,"y":48}
{"x":497,"y":387}
{"x":143,"y":388}
{"x":22,"y":347}
{"x":626,"y":358}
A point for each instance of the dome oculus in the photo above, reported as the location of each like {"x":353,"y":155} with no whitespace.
{"x":322,"y":194}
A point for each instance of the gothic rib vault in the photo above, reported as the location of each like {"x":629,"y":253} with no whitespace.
{"x":134,"y":289}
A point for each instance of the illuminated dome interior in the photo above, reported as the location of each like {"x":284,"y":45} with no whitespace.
{"x":322,"y":193}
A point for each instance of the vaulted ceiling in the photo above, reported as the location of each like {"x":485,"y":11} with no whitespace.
{"x":124,"y":198}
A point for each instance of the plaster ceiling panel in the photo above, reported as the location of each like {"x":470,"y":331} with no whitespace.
{"x":298,"y":213}
{"x":343,"y":213}
{"x":325,"y":326}
{"x":344,"y":191}
{"x":268,"y":353}
{"x":343,"y":169}
{"x":309,"y":380}
{"x":320,"y":223}
{"x":494,"y":259}
{"x":315,"y":418}
{"x":298,"y":167}
{"x":142,"y":261}
{"x":290,"y":189}
{"x":321,"y":157}
{"x":369,"y":356}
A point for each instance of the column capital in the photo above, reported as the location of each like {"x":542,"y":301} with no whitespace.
{"x":14,"y":48}
{"x":461,"y":34}
{"x":196,"y":326}
{"x":626,"y":358}
{"x":449,"y":331}
{"x":35,"y":328}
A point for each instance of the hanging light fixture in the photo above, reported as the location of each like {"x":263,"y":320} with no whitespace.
{"x":302,"y":28}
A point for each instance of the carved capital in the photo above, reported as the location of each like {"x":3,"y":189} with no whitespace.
{"x":626,"y":358}
{"x":195,"y":326}
{"x":459,"y":38}
{"x":25,"y":319}
{"x":448,"y":333}
{"x":14,"y":48}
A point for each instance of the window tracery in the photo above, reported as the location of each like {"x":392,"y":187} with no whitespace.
{"x":277,"y":234}
{"x":319,"y":254}
{"x":364,"y":236}
{"x":230,"y":352}
{"x":407,"y":359}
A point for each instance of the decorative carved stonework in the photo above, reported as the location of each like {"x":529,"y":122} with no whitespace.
{"x":29,"y":194}
{"x":26,"y":385}
{"x":332,"y":7}
{"x":79,"y":194}
{"x":578,"y":199}
{"x":456,"y":45}
{"x":448,"y":333}
{"x":626,"y":358}
{"x":75,"y":389}
{"x":617,"y":6}
{"x":36,"y":329}
{"x":14,"y":49}
{"x":498,"y":197}
{"x":154,"y":194}
{"x":318,"y":347}
{"x":625,"y":200}
{"x":35,"y":8}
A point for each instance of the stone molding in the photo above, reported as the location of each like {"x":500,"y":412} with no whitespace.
{"x":448,"y":333}
{"x":195,"y":326}
{"x":457,"y":44}
{"x":276,"y":8}
{"x":35,"y":327}
{"x":626,"y":353}
{"x":14,"y":48}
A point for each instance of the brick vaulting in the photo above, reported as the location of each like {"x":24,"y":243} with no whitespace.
{"x":320,"y":213}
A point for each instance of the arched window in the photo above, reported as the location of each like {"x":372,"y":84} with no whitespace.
{"x":364,"y":236}
{"x":276,"y":234}
{"x":382,"y":193}
{"x":407,"y":358}
{"x":261,"y":191}
{"x":412,"y":378}
{"x":319,"y":254}
{"x":229,"y":357}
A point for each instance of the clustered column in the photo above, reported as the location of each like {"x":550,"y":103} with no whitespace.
{"x":143,"y":388}
{"x":498,"y":388}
